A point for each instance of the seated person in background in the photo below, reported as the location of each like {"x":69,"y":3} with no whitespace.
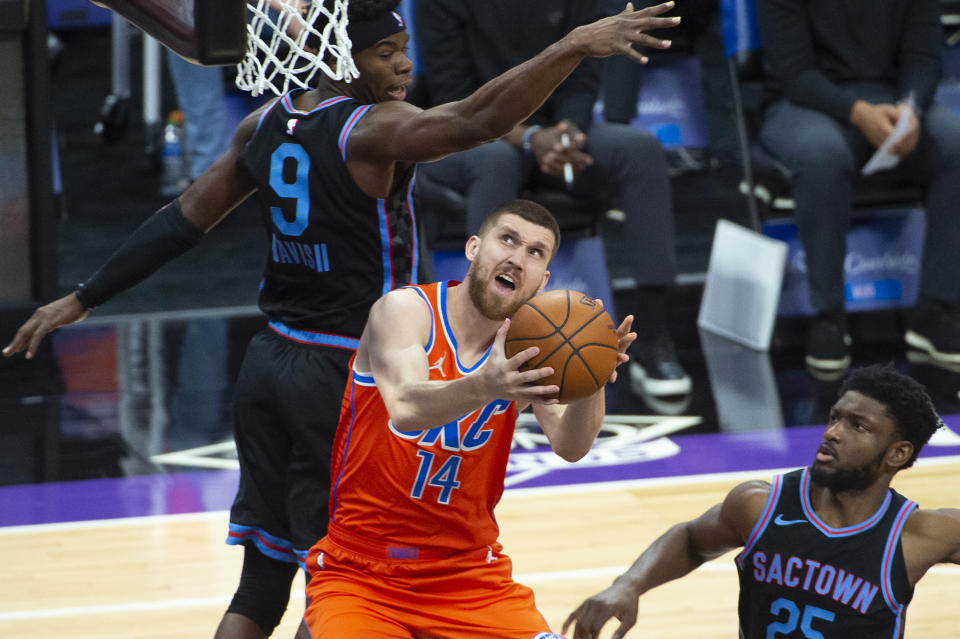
{"x":833,"y":540}
{"x":844,"y":72}
{"x":463,"y":44}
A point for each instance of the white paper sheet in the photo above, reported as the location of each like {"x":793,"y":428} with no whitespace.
{"x":883,"y":159}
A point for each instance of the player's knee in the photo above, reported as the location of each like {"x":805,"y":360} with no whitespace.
{"x":264,"y":589}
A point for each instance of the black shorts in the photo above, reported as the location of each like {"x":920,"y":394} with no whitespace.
{"x":287,"y":402}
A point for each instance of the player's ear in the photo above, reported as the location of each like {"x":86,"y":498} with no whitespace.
{"x":546,"y":278}
{"x":898,"y":453}
{"x":472,"y":247}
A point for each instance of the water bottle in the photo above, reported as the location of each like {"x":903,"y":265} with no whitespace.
{"x":175,"y":175}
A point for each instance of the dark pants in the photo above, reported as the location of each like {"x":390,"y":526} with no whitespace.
{"x":628,"y":163}
{"x":823,"y":157}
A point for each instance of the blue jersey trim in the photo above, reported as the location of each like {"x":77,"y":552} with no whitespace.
{"x":343,"y":459}
{"x":889,"y":549}
{"x":827,"y":530}
{"x":415,"y":255}
{"x":269,"y":545}
{"x":358,"y":113}
{"x":287,"y":101}
{"x":385,"y":246}
{"x":762,"y":521}
{"x":419,"y":292}
{"x":265,"y":113}
{"x":445,"y":322}
{"x":315,"y":338}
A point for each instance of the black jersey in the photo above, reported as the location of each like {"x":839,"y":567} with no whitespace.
{"x":333,"y":250}
{"x":801,"y":578}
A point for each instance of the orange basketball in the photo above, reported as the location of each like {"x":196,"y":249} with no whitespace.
{"x":576,"y":337}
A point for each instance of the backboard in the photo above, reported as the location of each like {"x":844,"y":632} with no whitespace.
{"x":206,"y":32}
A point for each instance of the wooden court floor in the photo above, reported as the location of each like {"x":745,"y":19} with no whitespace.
{"x":171,"y":577}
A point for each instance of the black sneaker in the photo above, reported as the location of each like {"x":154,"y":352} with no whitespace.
{"x":655,"y":369}
{"x":828,"y":349}
{"x":935,"y":329}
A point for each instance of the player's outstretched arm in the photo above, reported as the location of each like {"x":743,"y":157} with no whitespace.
{"x":572,"y":428}
{"x":674,"y":554}
{"x":397,"y":131}
{"x":168,"y":233}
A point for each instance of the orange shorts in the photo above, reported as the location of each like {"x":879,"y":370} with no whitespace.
{"x":467,"y":596}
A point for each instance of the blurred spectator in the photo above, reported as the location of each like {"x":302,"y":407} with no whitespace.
{"x":462,"y":45}
{"x":844,"y":72}
{"x":200,"y":95}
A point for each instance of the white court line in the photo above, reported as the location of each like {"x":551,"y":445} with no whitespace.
{"x":146,"y":520}
{"x":569,"y":489}
{"x":297,"y":594}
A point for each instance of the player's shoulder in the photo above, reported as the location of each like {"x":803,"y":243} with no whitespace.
{"x":248,"y":125}
{"x":400,"y":303}
{"x":747,"y":499}
{"x":934,"y":523}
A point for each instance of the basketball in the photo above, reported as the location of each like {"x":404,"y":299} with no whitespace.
{"x":576,"y":337}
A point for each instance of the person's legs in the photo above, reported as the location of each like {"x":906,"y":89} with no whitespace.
{"x":633,"y":161}
{"x":260,"y":599}
{"x":288,"y":402}
{"x":935,"y":322}
{"x":817,"y":152}
{"x":487,"y":176}
{"x":200,"y":95}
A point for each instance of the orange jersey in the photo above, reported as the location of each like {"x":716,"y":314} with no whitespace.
{"x":420,"y":493}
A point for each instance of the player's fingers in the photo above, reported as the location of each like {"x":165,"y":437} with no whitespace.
{"x":647,"y":40}
{"x":629,"y":52}
{"x":501,"y":337}
{"x":535,"y":375}
{"x":21,"y":340}
{"x":627,"y":624}
{"x":655,"y":10}
{"x":522,"y":357}
{"x":35,"y":338}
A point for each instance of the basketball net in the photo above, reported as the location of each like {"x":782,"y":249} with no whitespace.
{"x":277,"y":57}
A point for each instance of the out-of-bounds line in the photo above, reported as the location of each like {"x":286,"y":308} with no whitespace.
{"x":145,"y":520}
{"x":297,"y":594}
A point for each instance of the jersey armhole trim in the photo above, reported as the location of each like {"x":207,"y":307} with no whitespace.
{"x":764,"y":519}
{"x":358,"y":113}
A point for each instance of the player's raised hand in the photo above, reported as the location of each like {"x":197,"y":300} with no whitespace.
{"x":616,"y":34}
{"x":625,"y":337}
{"x":504,"y":379}
{"x":619,"y":600}
{"x":57,"y":313}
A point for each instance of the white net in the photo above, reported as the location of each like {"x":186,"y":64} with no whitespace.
{"x":278,"y":55}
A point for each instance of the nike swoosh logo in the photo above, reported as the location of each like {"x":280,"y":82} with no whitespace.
{"x":780,"y":521}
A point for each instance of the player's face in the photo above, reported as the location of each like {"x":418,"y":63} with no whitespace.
{"x":855,"y":443}
{"x":508,"y":265}
{"x":384,"y":70}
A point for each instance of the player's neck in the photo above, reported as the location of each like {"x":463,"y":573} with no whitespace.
{"x":473,"y":330}
{"x":847,"y":508}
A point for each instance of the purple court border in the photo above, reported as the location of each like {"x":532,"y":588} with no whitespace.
{"x":203,"y":491}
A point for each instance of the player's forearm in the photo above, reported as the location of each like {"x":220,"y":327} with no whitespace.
{"x":670,"y":557}
{"x":497,"y":106}
{"x":573,"y":429}
{"x":430,"y":403}
{"x":162,"y":237}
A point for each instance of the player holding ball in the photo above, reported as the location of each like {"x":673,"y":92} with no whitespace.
{"x":421,"y":450}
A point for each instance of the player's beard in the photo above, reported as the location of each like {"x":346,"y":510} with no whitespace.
{"x":847,"y":479}
{"x":489,"y":305}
